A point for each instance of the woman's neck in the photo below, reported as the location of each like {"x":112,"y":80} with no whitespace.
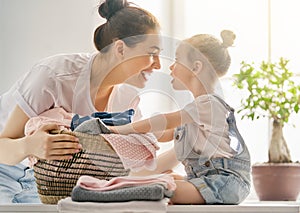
{"x":102,"y":98}
{"x":101,"y":86}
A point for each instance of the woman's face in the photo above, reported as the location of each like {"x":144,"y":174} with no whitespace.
{"x":181,"y":69}
{"x":140,"y":61}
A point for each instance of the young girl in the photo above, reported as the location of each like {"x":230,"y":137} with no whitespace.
{"x":206,"y":139}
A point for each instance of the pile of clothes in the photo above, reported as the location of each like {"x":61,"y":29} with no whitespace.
{"x":120,"y":194}
{"x":136,"y":151}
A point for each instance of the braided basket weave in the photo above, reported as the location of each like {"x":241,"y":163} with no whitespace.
{"x":56,"y":179}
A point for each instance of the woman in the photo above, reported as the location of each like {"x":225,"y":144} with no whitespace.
{"x":128,"y":47}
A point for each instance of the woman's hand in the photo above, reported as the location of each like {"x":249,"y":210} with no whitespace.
{"x":15,"y":146}
{"x":44,"y":145}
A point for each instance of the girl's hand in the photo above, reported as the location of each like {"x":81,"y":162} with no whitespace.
{"x":44,"y":145}
{"x":112,"y":129}
{"x":174,"y":175}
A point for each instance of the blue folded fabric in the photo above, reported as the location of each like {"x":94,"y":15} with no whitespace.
{"x":109,"y":119}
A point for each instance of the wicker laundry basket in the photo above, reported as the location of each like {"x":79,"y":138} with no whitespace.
{"x":56,"y":179}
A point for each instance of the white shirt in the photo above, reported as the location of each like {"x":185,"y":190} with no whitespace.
{"x":62,"y":81}
{"x":208,"y":134}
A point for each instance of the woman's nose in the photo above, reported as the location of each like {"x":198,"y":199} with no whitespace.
{"x":156,"y":62}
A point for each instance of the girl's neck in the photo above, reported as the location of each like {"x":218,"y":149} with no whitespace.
{"x":204,"y":83}
{"x":199,"y":88}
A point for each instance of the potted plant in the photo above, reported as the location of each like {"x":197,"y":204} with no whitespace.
{"x":272,"y":92}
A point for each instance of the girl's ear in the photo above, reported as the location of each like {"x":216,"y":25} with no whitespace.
{"x":119,"y":49}
{"x":197,"y":67}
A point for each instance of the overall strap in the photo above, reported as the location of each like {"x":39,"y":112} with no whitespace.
{"x":231,"y":120}
{"x":224,"y":103}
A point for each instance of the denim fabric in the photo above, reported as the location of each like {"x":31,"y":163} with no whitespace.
{"x":221,"y":180}
{"x":110,"y":119}
{"x":17,"y":185}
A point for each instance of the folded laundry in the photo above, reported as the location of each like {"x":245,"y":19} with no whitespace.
{"x":143,"y":192}
{"x":56,"y":115}
{"x":110,"y":119}
{"x":68,"y":206}
{"x":93,"y":126}
{"x":137,"y":151}
{"x":95,"y":184}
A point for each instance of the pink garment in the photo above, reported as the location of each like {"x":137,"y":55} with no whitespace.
{"x":136,"y":151}
{"x":53,"y":116}
{"x":94,"y":184}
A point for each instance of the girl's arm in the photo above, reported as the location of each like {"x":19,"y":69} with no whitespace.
{"x":157,"y":123}
{"x":165,"y":136}
{"x":165,"y":164}
{"x":15,"y":146}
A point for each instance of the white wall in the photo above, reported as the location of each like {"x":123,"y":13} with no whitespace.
{"x":33,"y":29}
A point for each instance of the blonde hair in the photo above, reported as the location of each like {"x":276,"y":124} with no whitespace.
{"x":214,"y":50}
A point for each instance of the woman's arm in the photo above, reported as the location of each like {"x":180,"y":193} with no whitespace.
{"x":15,"y":146}
{"x":157,"y":123}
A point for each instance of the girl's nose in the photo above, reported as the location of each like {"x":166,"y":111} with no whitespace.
{"x":171,"y":67}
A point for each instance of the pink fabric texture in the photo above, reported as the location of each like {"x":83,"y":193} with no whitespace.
{"x":94,"y":184}
{"x":137,"y":151}
{"x":53,"y":116}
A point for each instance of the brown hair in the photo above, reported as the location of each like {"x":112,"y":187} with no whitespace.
{"x":123,"y":21}
{"x":214,"y":50}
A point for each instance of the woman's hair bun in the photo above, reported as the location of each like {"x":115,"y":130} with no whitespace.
{"x":109,"y":7}
{"x":228,"y":38}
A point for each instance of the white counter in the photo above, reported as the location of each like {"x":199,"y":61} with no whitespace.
{"x":247,"y":207}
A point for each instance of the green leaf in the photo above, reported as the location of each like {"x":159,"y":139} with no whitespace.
{"x":271,"y":90}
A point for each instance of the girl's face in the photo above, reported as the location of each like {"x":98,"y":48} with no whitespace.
{"x":140,"y":61}
{"x":181,"y":70}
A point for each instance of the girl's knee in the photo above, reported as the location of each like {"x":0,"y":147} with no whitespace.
{"x":186,"y":193}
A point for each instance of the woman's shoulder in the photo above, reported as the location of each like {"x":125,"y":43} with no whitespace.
{"x":65,"y":58}
{"x":65,"y":63}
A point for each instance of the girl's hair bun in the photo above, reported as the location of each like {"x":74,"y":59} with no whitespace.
{"x":228,"y":38}
{"x":109,"y":7}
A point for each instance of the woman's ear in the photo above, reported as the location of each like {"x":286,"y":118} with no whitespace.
{"x":119,"y":49}
{"x":197,"y":66}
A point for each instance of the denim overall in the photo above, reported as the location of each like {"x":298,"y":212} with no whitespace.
{"x":219,"y":180}
{"x":17,"y":185}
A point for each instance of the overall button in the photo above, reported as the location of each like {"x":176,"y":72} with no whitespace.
{"x":207,"y":163}
{"x":177,"y":137}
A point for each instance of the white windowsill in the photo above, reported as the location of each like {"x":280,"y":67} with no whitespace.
{"x":246,"y":207}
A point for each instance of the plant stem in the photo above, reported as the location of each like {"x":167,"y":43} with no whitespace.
{"x":278,"y":150}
